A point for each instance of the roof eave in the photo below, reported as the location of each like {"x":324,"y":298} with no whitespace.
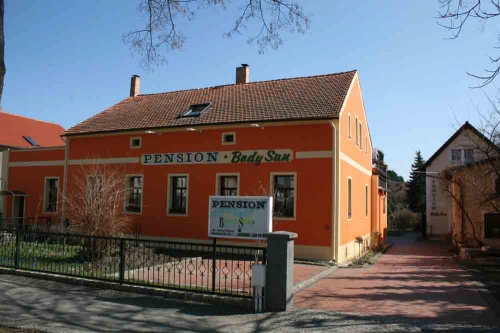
{"x":198,"y":125}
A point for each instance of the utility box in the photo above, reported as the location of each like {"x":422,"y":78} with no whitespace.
{"x":258,"y":275}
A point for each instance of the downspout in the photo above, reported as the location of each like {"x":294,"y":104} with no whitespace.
{"x":335,"y":193}
{"x":462,"y":205}
{"x":65,"y":179}
{"x":4,"y":172}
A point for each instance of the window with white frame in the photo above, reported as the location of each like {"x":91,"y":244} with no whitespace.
{"x":228,"y":185}
{"x":50,"y":194}
{"x":349,"y":124}
{"x":366,"y":200}
{"x":284,"y":195}
{"x":94,"y":184}
{"x":357,"y":132}
{"x":178,"y":194}
{"x":360,"y":136}
{"x":133,"y":198}
{"x":229,"y":138}
{"x":349,"y":198}
{"x":366,"y":144}
{"x":468,"y":155}
{"x":135,"y":143}
{"x":456,"y":155}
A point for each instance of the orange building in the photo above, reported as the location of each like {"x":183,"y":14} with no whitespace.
{"x":306,"y":141}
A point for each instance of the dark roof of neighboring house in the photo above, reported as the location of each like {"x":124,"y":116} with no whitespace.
{"x":305,"y":98}
{"x":14,"y":128}
{"x":465,"y":126}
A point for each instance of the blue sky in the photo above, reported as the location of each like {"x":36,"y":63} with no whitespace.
{"x":66,"y":62}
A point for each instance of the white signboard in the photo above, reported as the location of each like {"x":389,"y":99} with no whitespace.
{"x":231,"y":157}
{"x":240,"y":217}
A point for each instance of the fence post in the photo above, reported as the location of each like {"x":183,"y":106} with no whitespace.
{"x":18,"y":248}
{"x":122,"y":260}
{"x":279,"y":271}
{"x":214,"y":259}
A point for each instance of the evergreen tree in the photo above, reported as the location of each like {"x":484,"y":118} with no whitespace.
{"x":394,"y":177}
{"x":416,"y":185}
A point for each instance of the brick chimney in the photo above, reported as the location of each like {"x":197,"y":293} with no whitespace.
{"x":242,"y":74}
{"x":135,"y":85}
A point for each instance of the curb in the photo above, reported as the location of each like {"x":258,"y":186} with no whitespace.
{"x":375,"y":258}
{"x":484,"y":290}
{"x":304,"y":284}
{"x":243,"y":303}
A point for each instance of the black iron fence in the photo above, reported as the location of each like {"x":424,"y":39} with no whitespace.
{"x":208,"y":268}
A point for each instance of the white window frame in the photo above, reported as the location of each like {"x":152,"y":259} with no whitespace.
{"x":366,"y":144}
{"x":45,"y":195}
{"x":367,"y":202}
{"x":349,"y":130}
{"x":217,"y":182}
{"x":94,"y":176}
{"x":357,"y":132}
{"x":349,"y":199}
{"x":385,"y":205}
{"x":226,"y":143}
{"x":360,"y":135}
{"x":136,"y":138}
{"x":461,"y":155}
{"x":271,"y":186}
{"x":464,"y":153}
{"x":126,"y":195}
{"x":169,"y":193}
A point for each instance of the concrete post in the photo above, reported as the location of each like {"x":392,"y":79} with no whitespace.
{"x":279,"y":271}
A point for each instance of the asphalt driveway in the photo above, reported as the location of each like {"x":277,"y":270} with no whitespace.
{"x":413,"y":280}
{"x":413,"y":288}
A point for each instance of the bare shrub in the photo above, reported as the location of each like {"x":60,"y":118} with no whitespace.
{"x":94,"y":205}
{"x":403,"y":219}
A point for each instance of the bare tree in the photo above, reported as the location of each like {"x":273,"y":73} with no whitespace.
{"x":161,"y":31}
{"x":454,"y":15}
{"x":95,"y":202}
{"x":471,"y":188}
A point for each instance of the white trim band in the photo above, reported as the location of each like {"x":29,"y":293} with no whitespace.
{"x":314,"y":154}
{"x":119,"y":160}
{"x":36,"y":163}
{"x":355,"y":164}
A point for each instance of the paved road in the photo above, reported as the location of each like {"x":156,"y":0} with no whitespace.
{"x":414,"y":280}
{"x":57,"y":307}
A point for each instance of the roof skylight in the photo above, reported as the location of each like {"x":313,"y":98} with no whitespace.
{"x":31,"y":141}
{"x":195,"y":110}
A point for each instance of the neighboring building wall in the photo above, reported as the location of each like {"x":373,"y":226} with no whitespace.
{"x":27,"y":172}
{"x":476,"y":189}
{"x":355,"y":164}
{"x":437,"y":201}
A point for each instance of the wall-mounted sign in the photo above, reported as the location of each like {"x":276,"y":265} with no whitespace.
{"x":240,"y":217}
{"x":235,"y":156}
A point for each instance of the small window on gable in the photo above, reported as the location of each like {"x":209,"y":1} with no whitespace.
{"x":349,"y":126}
{"x":135,"y":143}
{"x":356,"y":128}
{"x":31,"y":141}
{"x":195,"y":110}
{"x":497,"y":185}
{"x":229,"y":138}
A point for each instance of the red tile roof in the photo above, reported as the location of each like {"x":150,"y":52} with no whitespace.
{"x":305,"y":98}
{"x":13,"y":128}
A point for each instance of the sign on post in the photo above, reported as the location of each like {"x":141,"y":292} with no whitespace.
{"x":240,"y":217}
